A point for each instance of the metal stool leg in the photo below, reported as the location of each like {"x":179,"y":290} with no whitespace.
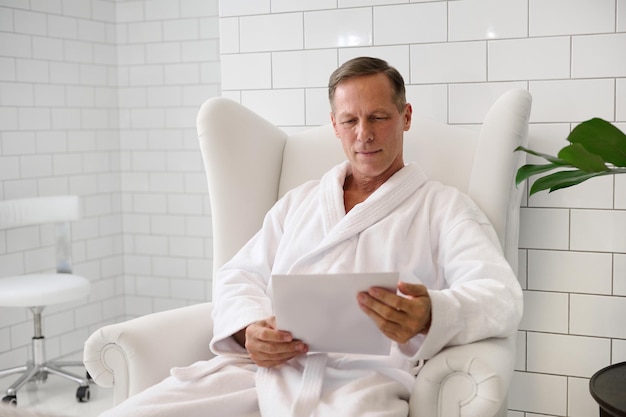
{"x":38,"y":369}
{"x":22,"y":380}
{"x":15,"y":370}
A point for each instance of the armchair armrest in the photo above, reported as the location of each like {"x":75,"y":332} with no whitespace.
{"x":460,"y":381}
{"x":135,"y":354}
{"x":469,"y":380}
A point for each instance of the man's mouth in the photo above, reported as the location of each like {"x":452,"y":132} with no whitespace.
{"x":368,"y":152}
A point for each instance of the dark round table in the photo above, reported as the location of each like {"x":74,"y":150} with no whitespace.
{"x":608,"y":388}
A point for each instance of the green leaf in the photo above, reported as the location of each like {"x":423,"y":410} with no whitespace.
{"x":597,"y":148}
{"x":577,"y":155}
{"x":601,"y":138}
{"x":529,"y":170}
{"x":549,"y":158}
{"x":563,"y":179}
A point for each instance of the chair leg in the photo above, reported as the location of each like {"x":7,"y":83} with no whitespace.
{"x":38,"y":369}
{"x":83,"y":393}
{"x":63,"y":364}
{"x":30,"y":373}
{"x":15,"y":370}
{"x":56,"y":370}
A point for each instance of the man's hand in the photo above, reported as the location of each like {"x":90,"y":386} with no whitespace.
{"x":399,"y":318}
{"x":268,"y":346}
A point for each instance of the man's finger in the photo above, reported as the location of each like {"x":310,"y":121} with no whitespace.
{"x":414,"y":290}
{"x":382,"y":303}
{"x":384,"y":296}
{"x":266,"y":331}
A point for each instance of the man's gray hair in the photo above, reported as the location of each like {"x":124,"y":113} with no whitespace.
{"x":363,"y":66}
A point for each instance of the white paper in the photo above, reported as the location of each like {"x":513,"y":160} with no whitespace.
{"x":323,"y":312}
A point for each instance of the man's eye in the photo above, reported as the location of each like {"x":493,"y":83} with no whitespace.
{"x":380,"y":118}
{"x":348,"y":122}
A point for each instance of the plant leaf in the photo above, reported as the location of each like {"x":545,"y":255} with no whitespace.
{"x":577,"y":155}
{"x":529,"y":170}
{"x":563,"y":179}
{"x":550,"y":158}
{"x":601,"y":138}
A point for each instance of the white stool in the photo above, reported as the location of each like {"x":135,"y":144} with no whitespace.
{"x":36,"y":291}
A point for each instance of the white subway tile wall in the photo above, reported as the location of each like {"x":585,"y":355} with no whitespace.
{"x":484,"y":19}
{"x":458,"y":57}
{"x":577,"y":400}
{"x":434,"y":63}
{"x":538,"y":393}
{"x":530,"y":58}
{"x":413,"y":23}
{"x":99,"y":98}
{"x":619,"y":351}
{"x":470,"y":102}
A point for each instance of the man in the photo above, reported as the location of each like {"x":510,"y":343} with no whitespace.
{"x":370,"y":213}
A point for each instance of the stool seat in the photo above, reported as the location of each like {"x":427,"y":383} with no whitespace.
{"x":42,"y":289}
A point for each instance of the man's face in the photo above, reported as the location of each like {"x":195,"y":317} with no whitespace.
{"x":370,"y":126}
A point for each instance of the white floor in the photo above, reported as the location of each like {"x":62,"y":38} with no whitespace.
{"x":56,"y":397}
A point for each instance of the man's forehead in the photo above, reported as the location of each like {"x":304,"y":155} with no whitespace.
{"x":372,"y":90}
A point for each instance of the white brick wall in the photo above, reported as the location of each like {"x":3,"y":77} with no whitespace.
{"x":458,"y":57}
{"x":168,"y":51}
{"x":98,"y":98}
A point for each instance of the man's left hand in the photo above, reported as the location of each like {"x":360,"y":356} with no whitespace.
{"x":399,"y":318}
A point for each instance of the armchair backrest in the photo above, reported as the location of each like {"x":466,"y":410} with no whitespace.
{"x":251,"y":163}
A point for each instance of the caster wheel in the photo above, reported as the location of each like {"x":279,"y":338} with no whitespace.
{"x":10,"y":400}
{"x":82,"y":394}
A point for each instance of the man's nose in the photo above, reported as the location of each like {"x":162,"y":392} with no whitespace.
{"x":365,"y":132}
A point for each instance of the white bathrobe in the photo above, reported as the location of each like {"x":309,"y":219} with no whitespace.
{"x":429,"y":233}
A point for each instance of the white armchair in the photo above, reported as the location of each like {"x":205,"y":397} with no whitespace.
{"x":237,"y":144}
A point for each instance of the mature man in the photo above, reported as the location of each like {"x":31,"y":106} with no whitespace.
{"x":371,"y":213}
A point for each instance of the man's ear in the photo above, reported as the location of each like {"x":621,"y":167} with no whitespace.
{"x":408,"y":115}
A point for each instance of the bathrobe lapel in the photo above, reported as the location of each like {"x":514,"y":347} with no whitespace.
{"x":339,"y":226}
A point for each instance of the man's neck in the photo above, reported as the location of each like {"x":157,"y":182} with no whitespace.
{"x":355,"y":191}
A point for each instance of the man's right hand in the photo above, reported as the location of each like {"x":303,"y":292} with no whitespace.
{"x":268,"y":346}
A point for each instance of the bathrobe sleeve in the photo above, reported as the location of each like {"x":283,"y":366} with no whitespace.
{"x":480,"y":296}
{"x":241,"y":288}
